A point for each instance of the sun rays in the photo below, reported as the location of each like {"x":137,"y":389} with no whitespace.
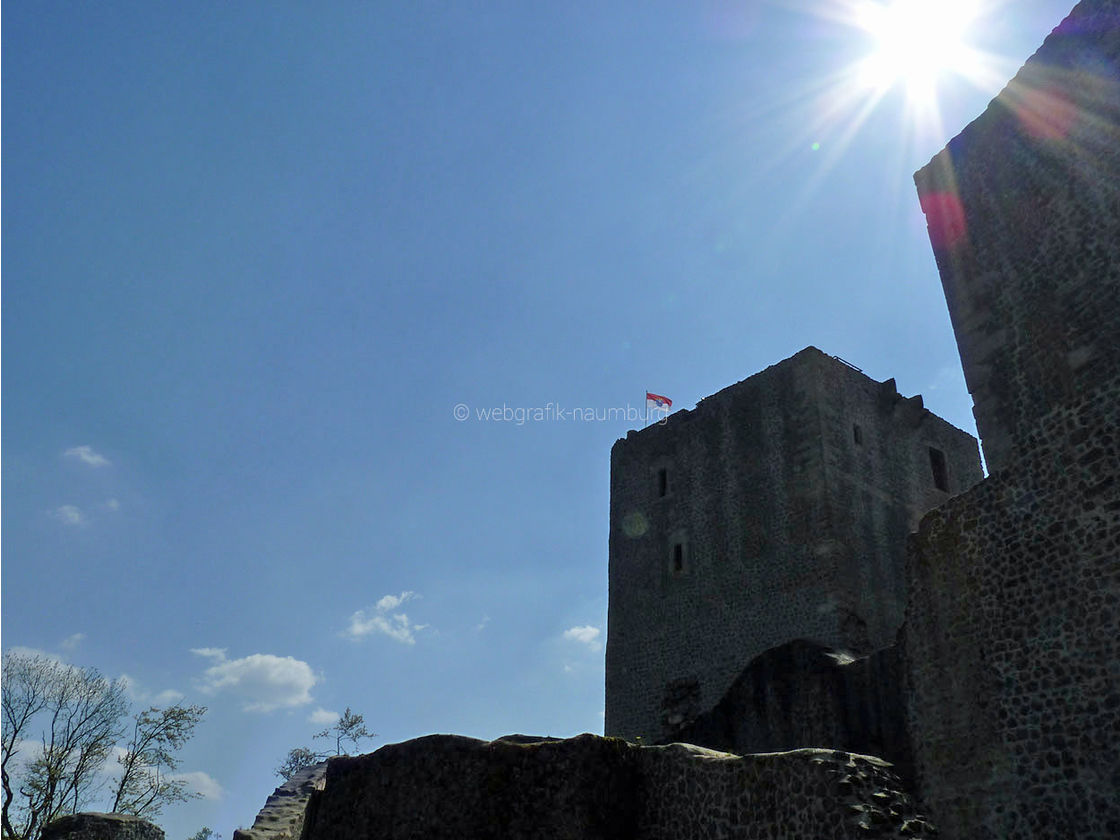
{"x":907,"y":58}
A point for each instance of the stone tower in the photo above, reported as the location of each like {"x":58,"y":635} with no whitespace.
{"x":777,"y":509}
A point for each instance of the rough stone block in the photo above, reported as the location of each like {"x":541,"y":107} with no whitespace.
{"x":92,"y":825}
{"x":281,"y":818}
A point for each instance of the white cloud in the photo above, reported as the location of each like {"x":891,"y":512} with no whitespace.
{"x":212,"y":653}
{"x":391,"y":602}
{"x":86,"y":455}
{"x":378,"y":619}
{"x":24,"y":752}
{"x":586,"y":635}
{"x":397,"y":627}
{"x":112,"y":504}
{"x":262,"y":681}
{"x":72,"y":641}
{"x":70,"y":515}
{"x":482,"y":624}
{"x":323,"y":717}
{"x":131,"y":688}
{"x":138,"y":694}
{"x":168,"y":697}
{"x":202,"y":783}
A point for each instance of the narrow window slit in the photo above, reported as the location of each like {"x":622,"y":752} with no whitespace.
{"x":940,"y":469}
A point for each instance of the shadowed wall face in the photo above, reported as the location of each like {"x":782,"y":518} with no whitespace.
{"x":802,"y":694}
{"x":1023,"y":210}
{"x":1011,"y":639}
{"x":777,"y":509}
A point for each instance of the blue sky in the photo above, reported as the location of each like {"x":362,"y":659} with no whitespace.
{"x":254,"y":255}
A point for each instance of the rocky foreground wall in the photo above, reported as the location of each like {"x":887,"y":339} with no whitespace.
{"x":593,"y":788}
{"x":1013,"y":639}
{"x":282,"y":816}
{"x":92,"y":825}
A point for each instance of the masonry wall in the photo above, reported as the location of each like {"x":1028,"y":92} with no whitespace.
{"x":791,"y":521}
{"x":1013,"y":639}
{"x":592,"y":788}
{"x":1023,"y":209}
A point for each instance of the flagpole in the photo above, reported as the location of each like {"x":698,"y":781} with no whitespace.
{"x":645,"y":414}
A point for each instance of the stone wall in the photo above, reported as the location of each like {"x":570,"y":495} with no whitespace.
{"x":1023,"y":209}
{"x":803,"y":694}
{"x":1013,"y":639}
{"x":592,"y":788}
{"x":281,"y":818}
{"x":789,"y":495}
{"x":92,"y":825}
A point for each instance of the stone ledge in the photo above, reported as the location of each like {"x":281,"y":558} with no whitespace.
{"x":589,"y":787}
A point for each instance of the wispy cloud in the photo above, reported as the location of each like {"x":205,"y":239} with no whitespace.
{"x":72,"y":641}
{"x":87,"y":456}
{"x":167,"y":697}
{"x":111,"y":504}
{"x":210,"y":653}
{"x":323,"y":717}
{"x":381,"y":619}
{"x":202,"y":783}
{"x":70,"y":515}
{"x":391,"y":602}
{"x":263,"y":682}
{"x":137,"y":693}
{"x":585,"y":635}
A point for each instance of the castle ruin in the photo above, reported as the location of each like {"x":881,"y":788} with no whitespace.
{"x":760,"y":522}
{"x":766,"y":547}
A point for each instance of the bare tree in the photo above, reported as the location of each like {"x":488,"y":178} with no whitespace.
{"x":79,"y":715}
{"x":349,"y":727}
{"x":146,"y":783}
{"x":27,"y":684}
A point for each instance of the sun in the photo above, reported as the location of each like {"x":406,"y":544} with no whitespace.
{"x":916,"y":43}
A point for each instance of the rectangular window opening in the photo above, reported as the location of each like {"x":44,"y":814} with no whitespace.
{"x":662,"y":482}
{"x":940,"y":469}
{"x":678,"y":557}
{"x":857,"y":434}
